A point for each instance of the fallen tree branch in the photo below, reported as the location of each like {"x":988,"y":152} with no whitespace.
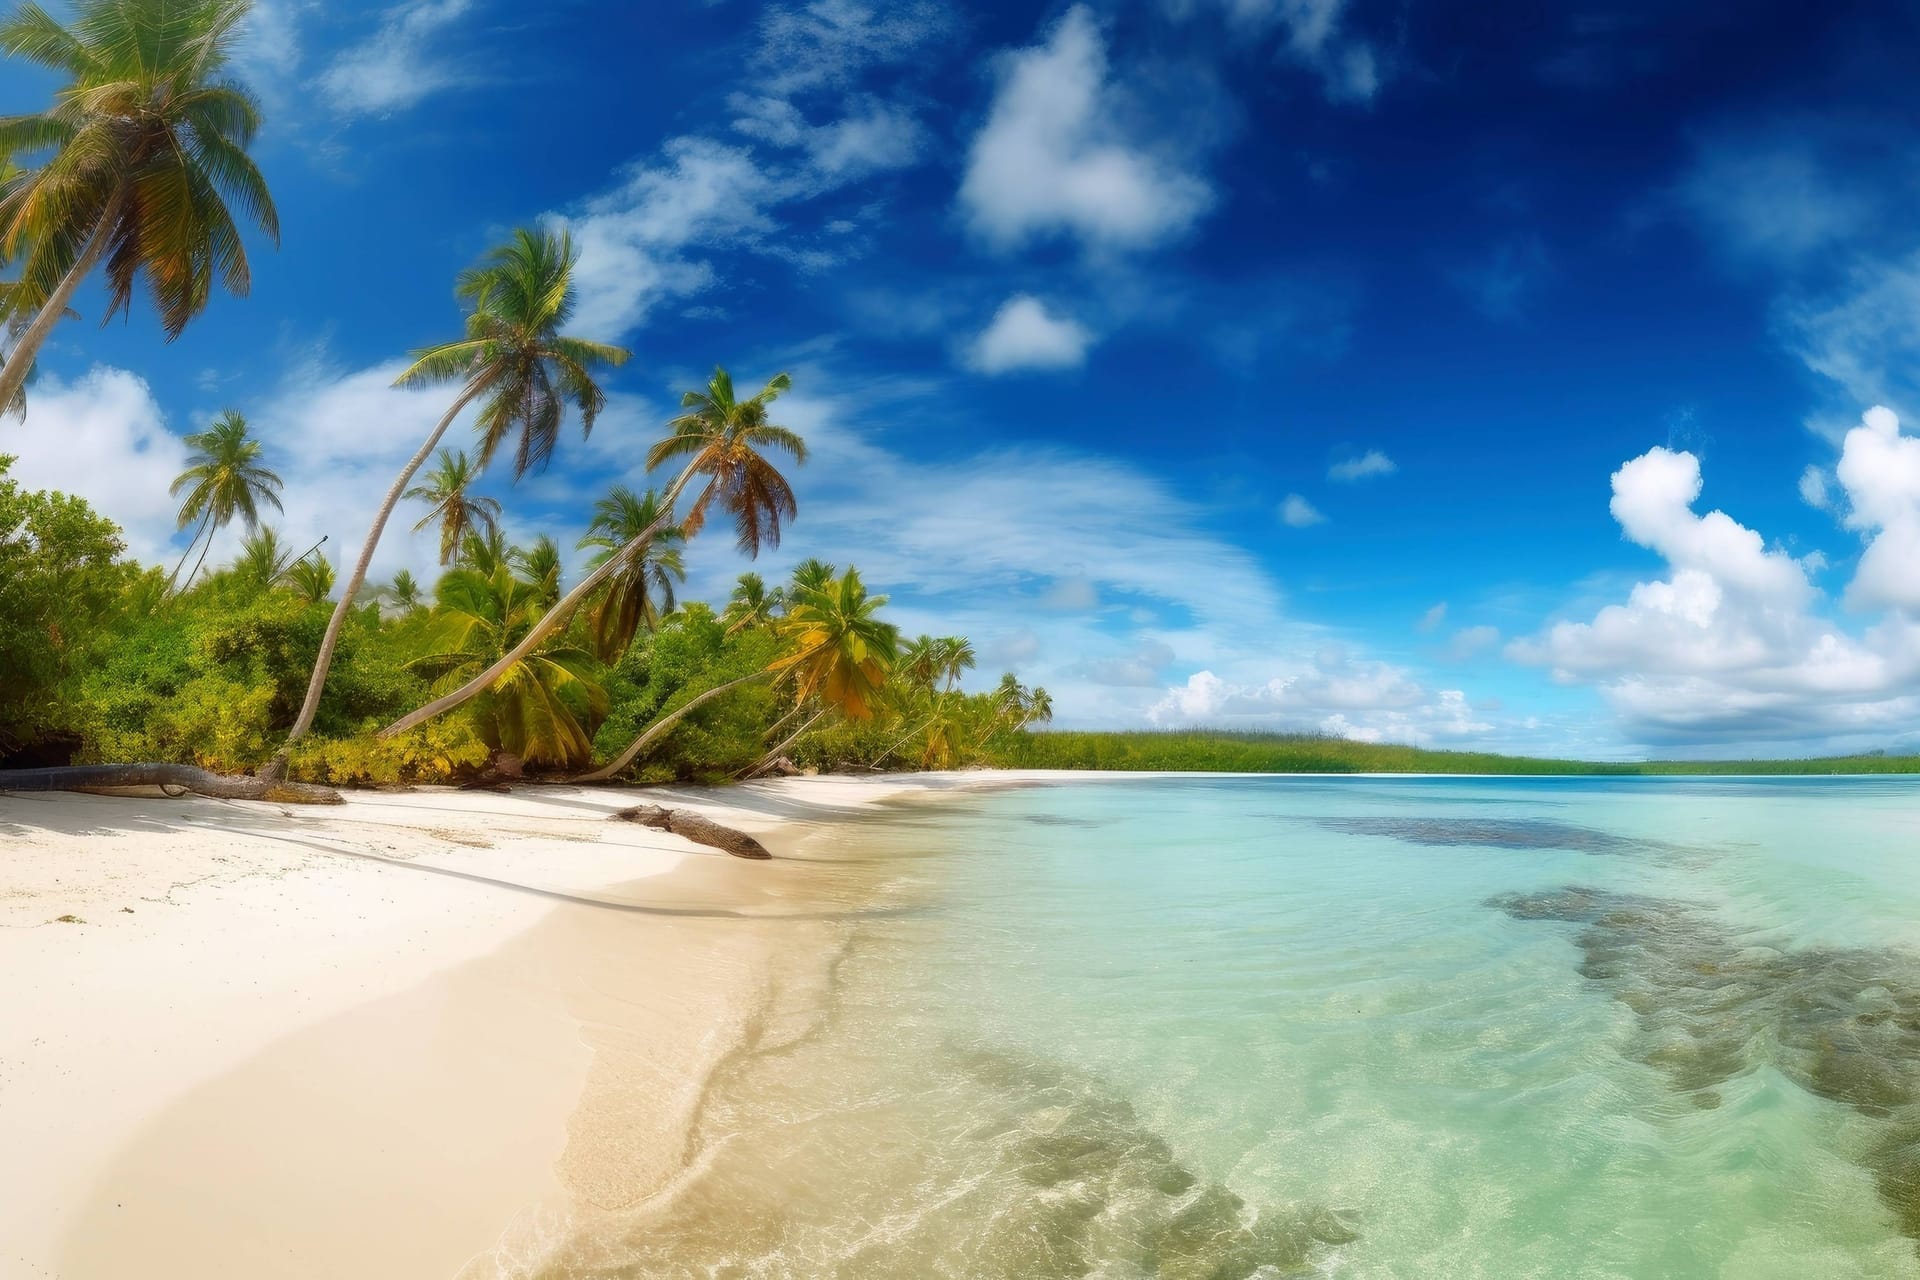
{"x":695,"y":828}
{"x":97,"y":777}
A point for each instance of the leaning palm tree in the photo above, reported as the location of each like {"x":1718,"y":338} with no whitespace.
{"x":640,"y":593}
{"x":223,"y":479}
{"x":147,"y":144}
{"x":522,"y":372}
{"x":838,"y":651}
{"x":451,"y":502}
{"x":724,"y":439}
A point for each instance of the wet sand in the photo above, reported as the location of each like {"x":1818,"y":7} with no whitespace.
{"x":418,"y":1035}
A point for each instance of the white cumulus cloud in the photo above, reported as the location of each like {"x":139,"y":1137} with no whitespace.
{"x":1053,"y":159}
{"x":1733,"y":645}
{"x":1025,"y":334}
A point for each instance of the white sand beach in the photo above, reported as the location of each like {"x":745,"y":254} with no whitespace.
{"x":399,"y":1037}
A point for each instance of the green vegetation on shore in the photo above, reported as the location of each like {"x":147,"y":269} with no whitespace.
{"x":1224,"y":751}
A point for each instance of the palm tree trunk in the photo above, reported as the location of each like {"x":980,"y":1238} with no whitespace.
{"x":552,"y":620}
{"x":660,"y":726}
{"x":13,"y":375}
{"x":781,"y":750}
{"x":204,"y":522}
{"x":782,"y":722}
{"x":204,"y":548}
{"x":304,"y":721}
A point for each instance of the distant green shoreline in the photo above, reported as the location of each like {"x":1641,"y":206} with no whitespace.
{"x":1228,"y":752}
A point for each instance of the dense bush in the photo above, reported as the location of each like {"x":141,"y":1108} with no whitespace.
{"x":690,"y":654}
{"x":215,"y":677}
{"x":62,"y":578}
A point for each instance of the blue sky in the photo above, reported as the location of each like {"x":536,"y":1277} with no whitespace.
{"x":1482,"y":375}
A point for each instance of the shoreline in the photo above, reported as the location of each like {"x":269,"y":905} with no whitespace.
{"x":263,"y":1023}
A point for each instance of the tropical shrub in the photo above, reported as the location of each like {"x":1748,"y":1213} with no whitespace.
{"x":62,"y":580}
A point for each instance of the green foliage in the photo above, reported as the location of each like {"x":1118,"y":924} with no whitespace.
{"x":143,"y":153}
{"x":214,"y":679}
{"x":62,"y":580}
{"x":1204,"y":750}
{"x":691,"y":653}
{"x":542,"y":708}
{"x":435,"y":752}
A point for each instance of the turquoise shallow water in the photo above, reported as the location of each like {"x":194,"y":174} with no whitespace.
{"x":1229,"y":1027}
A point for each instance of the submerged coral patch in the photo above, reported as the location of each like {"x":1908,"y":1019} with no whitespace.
{"x":1842,"y":1023}
{"x":1492,"y":833}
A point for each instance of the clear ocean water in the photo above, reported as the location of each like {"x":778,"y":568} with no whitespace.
{"x":1234,"y":1027}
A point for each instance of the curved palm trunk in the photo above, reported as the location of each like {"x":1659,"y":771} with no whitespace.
{"x":303,"y":722}
{"x":93,"y":777}
{"x":552,"y":620}
{"x":768,"y":759}
{"x":204,"y":548}
{"x":13,"y":375}
{"x":660,"y":726}
{"x":204,"y":522}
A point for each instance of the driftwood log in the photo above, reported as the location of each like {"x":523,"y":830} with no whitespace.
{"x":98,"y":777}
{"x":695,"y":828}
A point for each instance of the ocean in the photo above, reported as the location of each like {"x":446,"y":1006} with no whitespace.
{"x":1223,"y":1027}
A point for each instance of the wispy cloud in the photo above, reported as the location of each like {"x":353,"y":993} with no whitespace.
{"x":401,"y":64}
{"x":1297,"y":513}
{"x":1363,"y":466}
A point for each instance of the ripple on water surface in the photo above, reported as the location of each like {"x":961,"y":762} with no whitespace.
{"x":1254,"y":1028}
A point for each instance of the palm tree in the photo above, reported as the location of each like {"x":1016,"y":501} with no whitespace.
{"x":723,"y":439}
{"x":954,"y":657}
{"x":838,"y":649}
{"x":920,"y":663}
{"x":524,"y":374}
{"x":148,"y":141}
{"x":812,"y":574}
{"x":640,"y":592}
{"x":752,"y":604}
{"x":1039,"y":708}
{"x":448,"y":494}
{"x":541,"y":564}
{"x":534,"y":709}
{"x":403,"y":592}
{"x":223,"y":479}
{"x":311,"y":578}
{"x":263,"y":558}
{"x":484,"y":551}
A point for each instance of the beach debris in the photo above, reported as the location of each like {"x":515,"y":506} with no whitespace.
{"x":503,"y":769}
{"x":68,"y":919}
{"x":114,"y":777}
{"x":695,"y":828}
